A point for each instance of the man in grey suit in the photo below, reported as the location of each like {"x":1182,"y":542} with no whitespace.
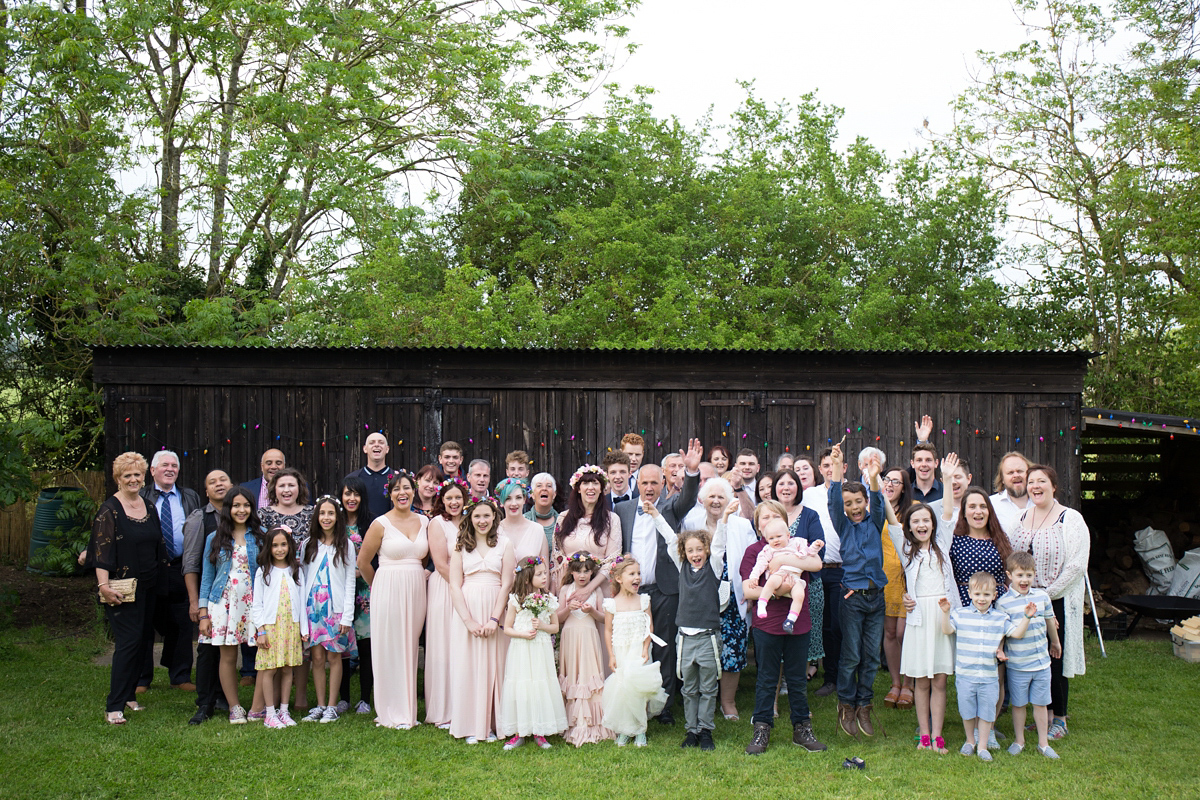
{"x":660,"y":577}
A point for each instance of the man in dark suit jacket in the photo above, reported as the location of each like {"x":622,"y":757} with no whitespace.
{"x":172,"y":619}
{"x":272,"y":461}
{"x":660,"y":577}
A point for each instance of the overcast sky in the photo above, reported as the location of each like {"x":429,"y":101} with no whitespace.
{"x":889,"y":65}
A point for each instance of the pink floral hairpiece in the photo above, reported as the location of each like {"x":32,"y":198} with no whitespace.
{"x":459,"y":482}
{"x":525,"y":563}
{"x":588,"y":469}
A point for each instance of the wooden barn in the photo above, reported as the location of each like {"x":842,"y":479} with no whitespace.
{"x":222,"y":407}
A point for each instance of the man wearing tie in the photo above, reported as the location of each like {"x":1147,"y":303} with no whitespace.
{"x":616,"y":467}
{"x":172,"y":619}
{"x":660,"y":577}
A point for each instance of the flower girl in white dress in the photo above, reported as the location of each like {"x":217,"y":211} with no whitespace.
{"x":634,"y":689}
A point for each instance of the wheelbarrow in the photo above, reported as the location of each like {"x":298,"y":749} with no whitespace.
{"x":1158,"y":606}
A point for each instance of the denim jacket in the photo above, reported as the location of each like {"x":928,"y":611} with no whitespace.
{"x":213,"y":578}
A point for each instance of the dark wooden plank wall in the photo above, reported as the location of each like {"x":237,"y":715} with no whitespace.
{"x":235,"y":425}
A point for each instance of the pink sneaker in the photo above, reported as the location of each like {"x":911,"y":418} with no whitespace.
{"x":541,"y":742}
{"x":273,"y":721}
{"x":286,"y":719}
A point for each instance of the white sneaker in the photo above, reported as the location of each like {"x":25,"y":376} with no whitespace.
{"x":330,"y":715}
{"x":314,"y":714}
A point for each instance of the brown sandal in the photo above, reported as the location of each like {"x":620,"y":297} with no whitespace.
{"x":906,"y":698}
{"x":892,"y":697}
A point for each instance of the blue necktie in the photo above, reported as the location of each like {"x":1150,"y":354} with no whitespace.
{"x":168,"y":525}
{"x":640,"y":510}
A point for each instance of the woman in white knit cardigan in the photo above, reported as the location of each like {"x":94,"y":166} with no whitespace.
{"x":1060,"y":543}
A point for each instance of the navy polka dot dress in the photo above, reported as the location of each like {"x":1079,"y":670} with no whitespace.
{"x":969,"y":556}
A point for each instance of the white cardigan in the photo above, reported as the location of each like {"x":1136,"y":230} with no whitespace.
{"x":266,"y":599}
{"x":341,"y":579}
{"x":943,"y":538}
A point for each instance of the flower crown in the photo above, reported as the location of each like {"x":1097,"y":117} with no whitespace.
{"x":526,"y":563}
{"x":459,"y":482}
{"x":584,"y":558}
{"x":473,"y":501}
{"x":396,"y":476}
{"x":588,"y":469}
{"x":337,"y":503}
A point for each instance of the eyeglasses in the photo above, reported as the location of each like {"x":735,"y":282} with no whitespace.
{"x":893,"y":481}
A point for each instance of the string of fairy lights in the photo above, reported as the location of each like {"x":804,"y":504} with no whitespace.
{"x":856,"y":433}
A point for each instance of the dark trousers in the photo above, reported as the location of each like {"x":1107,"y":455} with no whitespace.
{"x":663,"y":610}
{"x":173,"y":623}
{"x":1058,"y":684}
{"x":366,"y":677}
{"x":208,"y":675}
{"x":770,"y":653}
{"x":247,"y":669}
{"x":132,"y":626}
{"x":831,"y":626}
{"x":862,"y":638}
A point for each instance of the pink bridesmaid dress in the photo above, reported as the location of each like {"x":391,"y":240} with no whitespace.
{"x":397,"y":614}
{"x":582,"y":539}
{"x":439,"y":617}
{"x":528,"y":539}
{"x":477,"y":664}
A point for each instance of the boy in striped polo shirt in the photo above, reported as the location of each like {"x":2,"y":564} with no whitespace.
{"x":1028,"y":667}
{"x":981,"y":630}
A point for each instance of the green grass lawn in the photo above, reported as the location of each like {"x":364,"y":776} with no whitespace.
{"x":1133,"y":735}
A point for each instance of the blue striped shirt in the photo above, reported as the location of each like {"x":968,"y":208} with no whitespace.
{"x":978,"y":637}
{"x":1031,"y":652}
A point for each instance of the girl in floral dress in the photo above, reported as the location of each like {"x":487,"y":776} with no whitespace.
{"x":329,"y":559}
{"x":278,"y":615}
{"x":353,"y":492}
{"x":226,"y":589}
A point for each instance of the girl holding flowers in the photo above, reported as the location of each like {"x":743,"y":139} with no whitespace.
{"x":532,"y":703}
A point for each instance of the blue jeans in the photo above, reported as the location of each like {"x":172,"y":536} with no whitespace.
{"x":862,"y":636}
{"x":771,"y":652}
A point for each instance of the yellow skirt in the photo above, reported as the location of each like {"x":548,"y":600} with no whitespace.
{"x":893,"y":593}
{"x":286,"y":649}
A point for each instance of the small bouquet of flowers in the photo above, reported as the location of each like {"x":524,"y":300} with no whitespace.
{"x":537,"y":603}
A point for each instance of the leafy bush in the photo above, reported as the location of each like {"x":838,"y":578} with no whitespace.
{"x":60,"y":555}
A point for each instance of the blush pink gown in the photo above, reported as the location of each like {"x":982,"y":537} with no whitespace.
{"x":397,"y":615}
{"x":439,"y":616}
{"x":528,"y":539}
{"x":477,"y":664}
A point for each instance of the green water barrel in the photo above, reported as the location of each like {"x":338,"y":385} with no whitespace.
{"x":45,"y":518}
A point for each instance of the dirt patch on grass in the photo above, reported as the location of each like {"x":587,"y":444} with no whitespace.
{"x":60,"y":605}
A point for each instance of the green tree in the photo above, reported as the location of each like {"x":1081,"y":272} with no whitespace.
{"x":1095,"y":151}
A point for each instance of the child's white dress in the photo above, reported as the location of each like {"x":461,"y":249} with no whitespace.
{"x":531,"y":701}
{"x":634,"y":690}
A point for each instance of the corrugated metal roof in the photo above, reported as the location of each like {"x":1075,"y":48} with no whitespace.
{"x":471,"y":348}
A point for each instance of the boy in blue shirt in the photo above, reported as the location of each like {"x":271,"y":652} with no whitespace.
{"x":981,"y":630}
{"x":858,"y":521}
{"x":1028,"y":667}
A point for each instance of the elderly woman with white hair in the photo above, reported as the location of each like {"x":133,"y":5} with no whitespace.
{"x":543,"y":492}
{"x":717,"y":500}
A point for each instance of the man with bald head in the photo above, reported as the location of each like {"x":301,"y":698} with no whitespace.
{"x":660,"y":577}
{"x":375,"y":474}
{"x":196,"y":528}
{"x":272,"y":461}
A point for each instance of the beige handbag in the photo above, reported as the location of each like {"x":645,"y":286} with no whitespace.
{"x":126,"y":587}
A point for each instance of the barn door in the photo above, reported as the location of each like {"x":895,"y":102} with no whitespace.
{"x":769,"y":423}
{"x":417,"y":422}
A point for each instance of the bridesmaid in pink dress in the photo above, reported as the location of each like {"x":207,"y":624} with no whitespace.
{"x":481,"y":576}
{"x":443,"y":535}
{"x":588,"y":524}
{"x":397,"y":601}
{"x":528,"y":538}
